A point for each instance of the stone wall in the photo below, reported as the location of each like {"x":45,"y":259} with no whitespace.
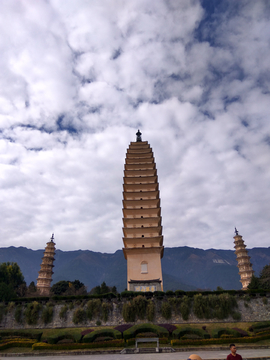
{"x":251,"y":311}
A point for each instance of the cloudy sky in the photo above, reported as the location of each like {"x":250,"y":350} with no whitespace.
{"x":78,"y":78}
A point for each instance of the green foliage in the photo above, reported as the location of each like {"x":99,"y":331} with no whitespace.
{"x":265,"y":277}
{"x":216,"y":333}
{"x":214,"y":306}
{"x":166,"y":310}
{"x":256,"y":327}
{"x":142,"y":328}
{"x":93,"y":308}
{"x":31,"y":312}
{"x":129,"y":312}
{"x":47,"y":314}
{"x":10,"y":306}
{"x":98,"y":322}
{"x":265,"y":301}
{"x":68,"y":288}
{"x":10,"y":274}
{"x":79,"y":316}
{"x":6,"y":292}
{"x":236,"y":316}
{"x":63,"y":312}
{"x":30,"y":334}
{"x":185,"y":307}
{"x":254,"y":283}
{"x":18,"y":314}
{"x":182,"y":331}
{"x":103,"y":332}
{"x":140,"y":304}
{"x":105,"y":309}
{"x":150,"y":310}
{"x":100,"y":344}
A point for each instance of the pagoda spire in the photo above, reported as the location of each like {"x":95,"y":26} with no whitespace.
{"x":45,"y":274}
{"x":244,"y":264}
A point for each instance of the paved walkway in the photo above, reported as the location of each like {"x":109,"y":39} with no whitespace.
{"x":211,"y":354}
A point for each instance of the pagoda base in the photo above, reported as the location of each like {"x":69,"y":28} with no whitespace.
{"x":145,"y":285}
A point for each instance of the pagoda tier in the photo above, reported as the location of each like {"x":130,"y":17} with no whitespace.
{"x":142,"y":230}
{"x":45,"y":274}
{"x":244,"y":264}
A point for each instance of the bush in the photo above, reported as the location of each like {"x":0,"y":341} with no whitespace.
{"x":106,"y":308}
{"x":79,"y":316}
{"x":182,"y":331}
{"x":18,"y":314}
{"x":93,"y":308}
{"x":29,"y":334}
{"x":129,"y":312}
{"x":140,"y":304}
{"x":185,"y":307}
{"x":150,"y":310}
{"x":259,"y":326}
{"x":63,"y":312}
{"x":103,"y":332}
{"x":47,"y":314}
{"x":236,"y":316}
{"x":105,"y":344}
{"x":142,"y":328}
{"x":217,"y":333}
{"x":32,"y":312}
{"x":166,"y":310}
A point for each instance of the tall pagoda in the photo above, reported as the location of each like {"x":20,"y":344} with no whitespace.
{"x":45,"y":274}
{"x":244,"y":264}
{"x":143,"y":240}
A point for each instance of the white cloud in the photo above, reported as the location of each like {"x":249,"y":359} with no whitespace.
{"x":77,"y":82}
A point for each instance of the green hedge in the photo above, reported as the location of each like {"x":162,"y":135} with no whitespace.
{"x":216,"y":333}
{"x":142,"y":328}
{"x":16,"y":343}
{"x":230,"y":340}
{"x":30,"y":334}
{"x":178,"y":333}
{"x":89,"y":338}
{"x":53,"y":339}
{"x":101,"y":344}
{"x":260,"y":325}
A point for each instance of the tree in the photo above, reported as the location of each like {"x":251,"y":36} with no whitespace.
{"x":11,"y":275}
{"x":254,"y":283}
{"x":65,"y":287}
{"x":265,"y":277}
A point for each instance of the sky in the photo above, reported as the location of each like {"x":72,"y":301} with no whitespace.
{"x":79,"y":78}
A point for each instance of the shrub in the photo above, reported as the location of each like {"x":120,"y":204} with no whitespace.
{"x":217,"y":333}
{"x":63,"y":312}
{"x":140,"y":304}
{"x":185,"y":307}
{"x":180,"y":332}
{"x":142,"y":328}
{"x":98,"y":322}
{"x":260,"y":325}
{"x":93,"y":308}
{"x":150,"y":310}
{"x":85,"y":332}
{"x":243,"y":333}
{"x":32,"y":313}
{"x":18,"y":314}
{"x":106,"y":308}
{"x":103,"y":332}
{"x":129,"y":312}
{"x":166,"y":310}
{"x":47,"y":314}
{"x":265,"y":301}
{"x":79,"y":316}
{"x":112,"y":343}
{"x":236,"y":316}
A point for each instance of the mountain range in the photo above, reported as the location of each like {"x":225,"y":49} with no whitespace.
{"x":184,"y":268}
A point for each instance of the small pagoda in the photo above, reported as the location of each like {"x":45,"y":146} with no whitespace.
{"x":45,"y":274}
{"x":244,"y":264}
